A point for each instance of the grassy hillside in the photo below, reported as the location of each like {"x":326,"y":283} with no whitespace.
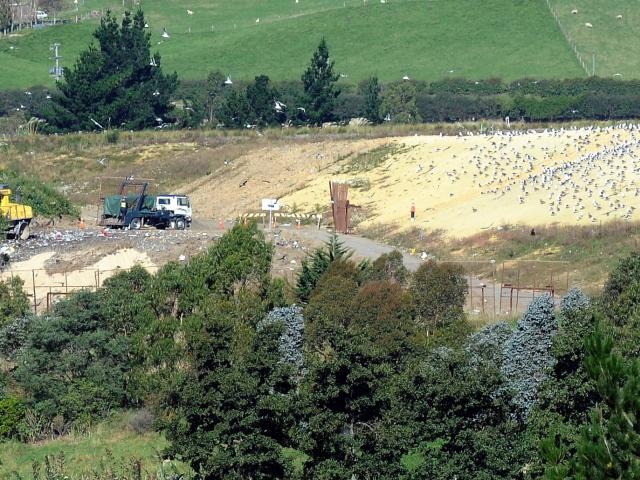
{"x":424,"y":39}
{"x":613,"y":40}
{"x":113,"y":444}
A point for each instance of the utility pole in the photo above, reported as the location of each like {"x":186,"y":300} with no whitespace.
{"x":57,"y":71}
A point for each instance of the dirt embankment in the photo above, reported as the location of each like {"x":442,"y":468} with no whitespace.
{"x":466,"y":184}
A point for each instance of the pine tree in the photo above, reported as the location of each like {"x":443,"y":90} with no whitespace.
{"x":609,"y":446}
{"x":116,"y":83}
{"x":261,"y":98}
{"x":527,"y":356}
{"x":215,"y":88}
{"x":5,"y":14}
{"x":370,"y":89}
{"x":231,"y":411}
{"x":320,"y":90}
{"x":319,"y":262}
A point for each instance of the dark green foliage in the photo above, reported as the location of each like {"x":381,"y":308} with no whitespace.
{"x":12,"y":412}
{"x":236,"y":266}
{"x":356,"y":339}
{"x":42,"y":197}
{"x":116,"y":83}
{"x":449,"y":420}
{"x":569,"y":391}
{"x":609,"y":446}
{"x":261,"y":98}
{"x":192,"y":115}
{"x":568,"y":394}
{"x":314,"y":267}
{"x":5,"y":14}
{"x":72,"y":365}
{"x":621,"y":296}
{"x":236,"y":111}
{"x":439,"y":290}
{"x":342,"y":399}
{"x":348,"y":105}
{"x":388,"y":266}
{"x":214,"y":94}
{"x":14,"y":302}
{"x":527,"y":357}
{"x":226,"y":403}
{"x":14,"y":334}
{"x":383,"y":311}
{"x":229,"y":413}
{"x":320,"y":90}
{"x":331,"y":306}
{"x":399,"y":102}
{"x":370,"y":90}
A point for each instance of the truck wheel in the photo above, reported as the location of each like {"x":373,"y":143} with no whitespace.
{"x":180,"y":224}
{"x":25,"y":231}
{"x":136,"y":224}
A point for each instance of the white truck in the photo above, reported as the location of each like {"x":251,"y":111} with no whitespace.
{"x":178,"y":205}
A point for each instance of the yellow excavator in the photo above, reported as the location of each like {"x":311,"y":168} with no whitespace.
{"x":17,"y":216}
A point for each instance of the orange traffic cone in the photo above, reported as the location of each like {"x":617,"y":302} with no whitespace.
{"x":221,"y":224}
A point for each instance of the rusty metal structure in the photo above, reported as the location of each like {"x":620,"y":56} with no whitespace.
{"x":505,"y":289}
{"x":340,"y":206}
{"x":43,"y":292}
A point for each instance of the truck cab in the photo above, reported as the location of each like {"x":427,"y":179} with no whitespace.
{"x":179,"y":205}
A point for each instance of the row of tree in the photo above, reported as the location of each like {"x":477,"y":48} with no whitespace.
{"x":362,"y":371}
{"x":118,"y":83}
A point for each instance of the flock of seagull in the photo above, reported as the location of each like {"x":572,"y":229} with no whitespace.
{"x":567,"y":176}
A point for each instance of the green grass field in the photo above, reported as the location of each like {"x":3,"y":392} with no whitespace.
{"x":85,"y":453}
{"x":426,"y":39}
{"x":615,"y":41}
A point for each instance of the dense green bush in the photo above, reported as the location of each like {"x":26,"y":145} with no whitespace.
{"x":316,"y":264}
{"x":388,"y":266}
{"x":607,"y":446}
{"x":14,"y":302}
{"x":12,"y":412}
{"x":381,"y":377}
{"x":14,"y":334}
{"x":399,"y":102}
{"x":448,"y":418}
{"x":72,"y":366}
{"x":621,"y":295}
{"x":487,"y":344}
{"x":439,"y":291}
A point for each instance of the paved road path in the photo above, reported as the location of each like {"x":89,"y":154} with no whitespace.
{"x":362,"y":247}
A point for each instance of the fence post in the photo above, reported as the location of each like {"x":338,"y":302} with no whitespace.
{"x":33,"y":280}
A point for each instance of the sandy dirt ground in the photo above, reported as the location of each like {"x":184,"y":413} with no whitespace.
{"x":467,"y":184}
{"x":269,"y":172}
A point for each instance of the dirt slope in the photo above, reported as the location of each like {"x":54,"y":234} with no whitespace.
{"x":467,"y":184}
{"x":272,"y":171}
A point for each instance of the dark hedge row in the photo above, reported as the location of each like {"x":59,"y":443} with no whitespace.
{"x":449,"y":100}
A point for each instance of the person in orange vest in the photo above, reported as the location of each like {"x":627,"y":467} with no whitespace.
{"x":413,"y":212}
